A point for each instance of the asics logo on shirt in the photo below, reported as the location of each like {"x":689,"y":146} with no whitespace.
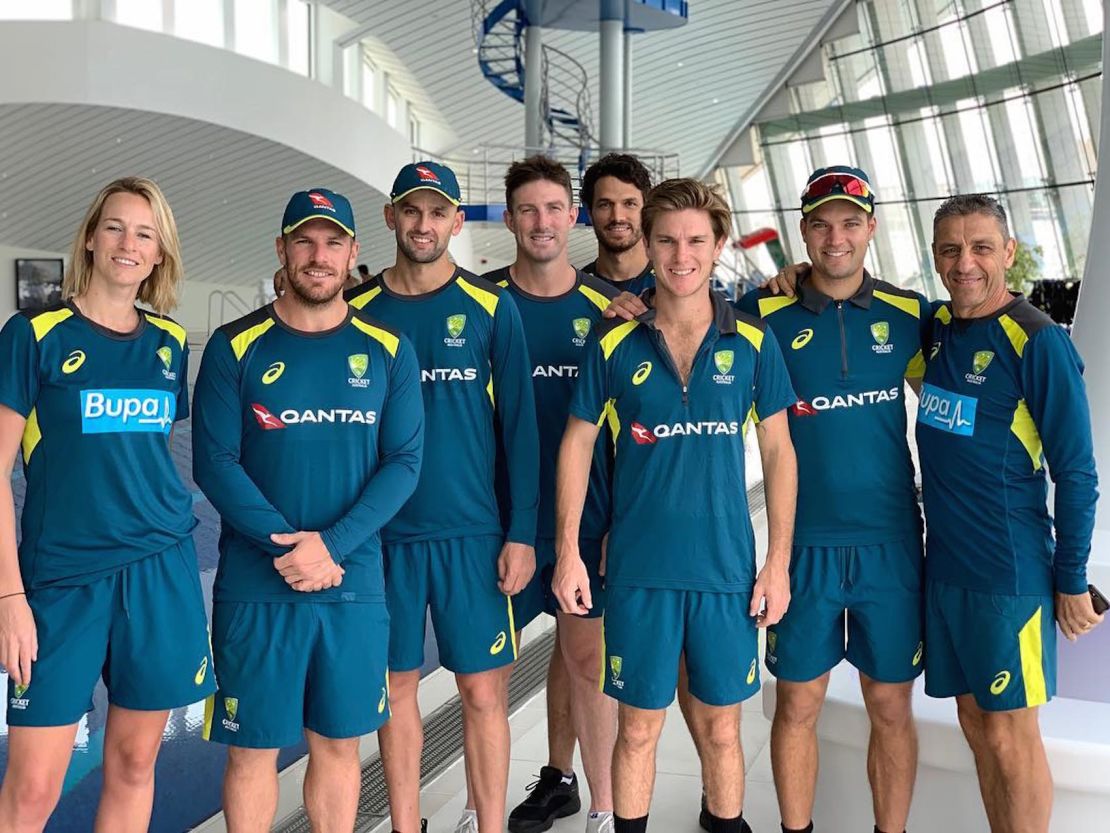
{"x":73,"y":361}
{"x":641,"y":374}
{"x":127,"y":411}
{"x":802,"y":338}
{"x":273,"y":373}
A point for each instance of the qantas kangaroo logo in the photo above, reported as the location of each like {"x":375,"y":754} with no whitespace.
{"x":641,"y":435}
{"x":268,"y":421}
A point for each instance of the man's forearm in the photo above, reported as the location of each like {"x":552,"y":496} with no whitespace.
{"x":780,"y":483}
{"x":571,"y":484}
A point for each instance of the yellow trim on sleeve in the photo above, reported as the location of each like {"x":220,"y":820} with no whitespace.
{"x":774,"y":304}
{"x":171,"y":327}
{"x":489,"y":390}
{"x":503,"y":283}
{"x":916,"y":367}
{"x":47,"y":321}
{"x":1015,"y":333}
{"x":610,"y":414}
{"x":752,"y":334}
{"x":486,"y":299}
{"x":944,"y":314}
{"x":595,"y":297}
{"x":360,"y":301}
{"x":1025,"y":430}
{"x":910,"y":306}
{"x":389,"y":341}
{"x":615,"y":336}
{"x":1032,"y":664}
{"x":245,"y":339}
{"x":32,"y":435}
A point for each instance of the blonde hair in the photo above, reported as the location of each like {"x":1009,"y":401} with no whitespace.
{"x":159,"y":290}
{"x":681,"y":194}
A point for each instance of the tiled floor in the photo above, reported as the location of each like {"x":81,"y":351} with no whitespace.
{"x":677,"y":785}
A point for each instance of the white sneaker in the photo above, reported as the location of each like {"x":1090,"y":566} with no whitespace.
{"x":468,"y":822}
{"x":599,"y":822}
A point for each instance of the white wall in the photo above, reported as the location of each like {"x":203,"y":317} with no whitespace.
{"x":8,"y":255}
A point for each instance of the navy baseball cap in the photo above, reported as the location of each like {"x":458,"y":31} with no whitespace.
{"x":318,"y":204}
{"x":838,"y":182}
{"x":430,"y":176}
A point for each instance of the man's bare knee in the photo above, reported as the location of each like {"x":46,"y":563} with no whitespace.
{"x":481,"y":693}
{"x":252,"y":760}
{"x":639,"y":728}
{"x":889,"y":705}
{"x":798,"y":705}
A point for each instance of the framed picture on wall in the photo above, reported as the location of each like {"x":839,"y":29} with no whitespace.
{"x":38,"y":282}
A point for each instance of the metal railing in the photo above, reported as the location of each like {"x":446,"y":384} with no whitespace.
{"x":219,"y":300}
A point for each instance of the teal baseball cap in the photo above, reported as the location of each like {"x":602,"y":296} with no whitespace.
{"x":429,"y":176}
{"x":318,"y":204}
{"x":838,"y":182}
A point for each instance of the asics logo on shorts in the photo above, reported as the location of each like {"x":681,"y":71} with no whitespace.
{"x":918,"y":654}
{"x":751,"y":673}
{"x":498,"y":644}
{"x":199,"y":677}
{"x":1001,"y":680}
{"x":126,"y":411}
{"x":382,"y":702}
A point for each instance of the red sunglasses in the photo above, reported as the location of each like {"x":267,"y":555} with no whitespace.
{"x":829,"y":184}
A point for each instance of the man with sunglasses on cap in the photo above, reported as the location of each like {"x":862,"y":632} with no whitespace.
{"x":850,"y":341}
{"x":446,"y":550}
{"x":307,"y":438}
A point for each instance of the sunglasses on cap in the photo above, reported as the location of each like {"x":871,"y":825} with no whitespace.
{"x":829,"y":184}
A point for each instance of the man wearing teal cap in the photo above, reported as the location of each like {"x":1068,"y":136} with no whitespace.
{"x":446,"y":551}
{"x":307,"y":439}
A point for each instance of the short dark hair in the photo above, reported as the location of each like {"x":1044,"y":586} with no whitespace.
{"x":533,"y":169}
{"x":364,"y":270}
{"x":681,"y":194}
{"x":623,"y":166}
{"x":963,"y":205}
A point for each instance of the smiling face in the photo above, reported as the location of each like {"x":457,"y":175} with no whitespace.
{"x":124,"y":242}
{"x":683,"y":249}
{"x":423,"y":222}
{"x":972,"y":253}
{"x":836,"y":235}
{"x":317,"y":256}
{"x":540,"y":219}
{"x":616,"y":214}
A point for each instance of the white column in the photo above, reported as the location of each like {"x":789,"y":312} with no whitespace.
{"x":533,"y":88}
{"x":611,"y":71}
{"x":627,"y":127}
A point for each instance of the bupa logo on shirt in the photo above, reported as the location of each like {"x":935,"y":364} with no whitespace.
{"x":947,"y":411}
{"x":127,"y":411}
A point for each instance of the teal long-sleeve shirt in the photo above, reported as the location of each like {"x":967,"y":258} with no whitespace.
{"x":297,"y":431}
{"x":474,"y":371}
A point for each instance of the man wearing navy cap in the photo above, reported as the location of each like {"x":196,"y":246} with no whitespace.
{"x":307,"y":438}
{"x":850,"y":341}
{"x":446,"y":551}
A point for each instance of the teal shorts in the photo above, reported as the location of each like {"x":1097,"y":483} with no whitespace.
{"x":999,"y":648}
{"x":456,"y":579}
{"x":142,"y":629}
{"x":647,"y":630}
{"x":284,"y":667}
{"x":865,"y":604}
{"x":538,"y":597}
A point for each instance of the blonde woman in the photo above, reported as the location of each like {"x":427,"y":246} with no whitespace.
{"x":105,"y":582}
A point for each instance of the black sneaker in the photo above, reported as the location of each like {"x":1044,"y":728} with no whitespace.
{"x":423,"y":826}
{"x":551,"y":798}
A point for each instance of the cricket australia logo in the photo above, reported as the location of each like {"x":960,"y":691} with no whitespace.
{"x":581,"y":330}
{"x":358,"y":364}
{"x":979,"y":362}
{"x":231,"y":709}
{"x":615,"y":666}
{"x":18,"y":701}
{"x":772,"y":643}
{"x":880,"y":331}
{"x":166,"y":355}
{"x":455,"y":325}
{"x":723,"y":359}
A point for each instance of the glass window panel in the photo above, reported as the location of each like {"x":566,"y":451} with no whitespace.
{"x":1055,"y":16}
{"x":1092,"y":10}
{"x":256,"y":29}
{"x":1026,"y":147}
{"x":143,"y":14}
{"x":958,"y":60}
{"x":895,"y":222}
{"x":979,"y":147}
{"x":200,"y":20}
{"x":37,"y":10}
{"x":999,"y":27}
{"x":298,"y":28}
{"x":885,"y":170}
{"x":414,"y":131}
{"x":835,"y":146}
